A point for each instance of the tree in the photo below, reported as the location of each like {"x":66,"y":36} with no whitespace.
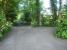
{"x":54,"y":9}
{"x":60,"y":3}
{"x":38,"y":11}
{"x":60,"y":7}
{"x":31,"y":9}
{"x":65,"y":6}
{"x":9,"y":8}
{"x":26,"y":10}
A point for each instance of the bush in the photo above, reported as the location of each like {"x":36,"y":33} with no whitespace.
{"x":4,"y":27}
{"x":62,"y":28}
{"x":34,"y":22}
{"x":47,"y":21}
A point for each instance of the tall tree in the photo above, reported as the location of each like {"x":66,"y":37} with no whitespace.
{"x":60,"y":7}
{"x":38,"y":11}
{"x":65,"y":5}
{"x":26,"y":10}
{"x":9,"y":8}
{"x":54,"y":9}
{"x":60,"y":3}
{"x":32,"y":8}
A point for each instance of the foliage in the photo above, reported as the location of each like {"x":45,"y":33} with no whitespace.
{"x":62,"y":28}
{"x":47,"y":21}
{"x":30,"y":9}
{"x":10,"y":9}
{"x":4,"y":26}
{"x":34,"y":22}
{"x":53,"y":4}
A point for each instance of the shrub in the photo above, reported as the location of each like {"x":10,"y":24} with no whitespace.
{"x":4,"y":27}
{"x":34,"y":22}
{"x":62,"y":28}
{"x":47,"y":21}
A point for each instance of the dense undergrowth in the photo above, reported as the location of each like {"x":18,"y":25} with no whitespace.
{"x":45,"y":21}
{"x":62,"y":28}
{"x":5,"y":26}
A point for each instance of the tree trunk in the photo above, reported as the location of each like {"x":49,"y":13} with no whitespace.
{"x":60,"y":3}
{"x":37,"y":11}
{"x":54,"y":10}
{"x":60,"y":7}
